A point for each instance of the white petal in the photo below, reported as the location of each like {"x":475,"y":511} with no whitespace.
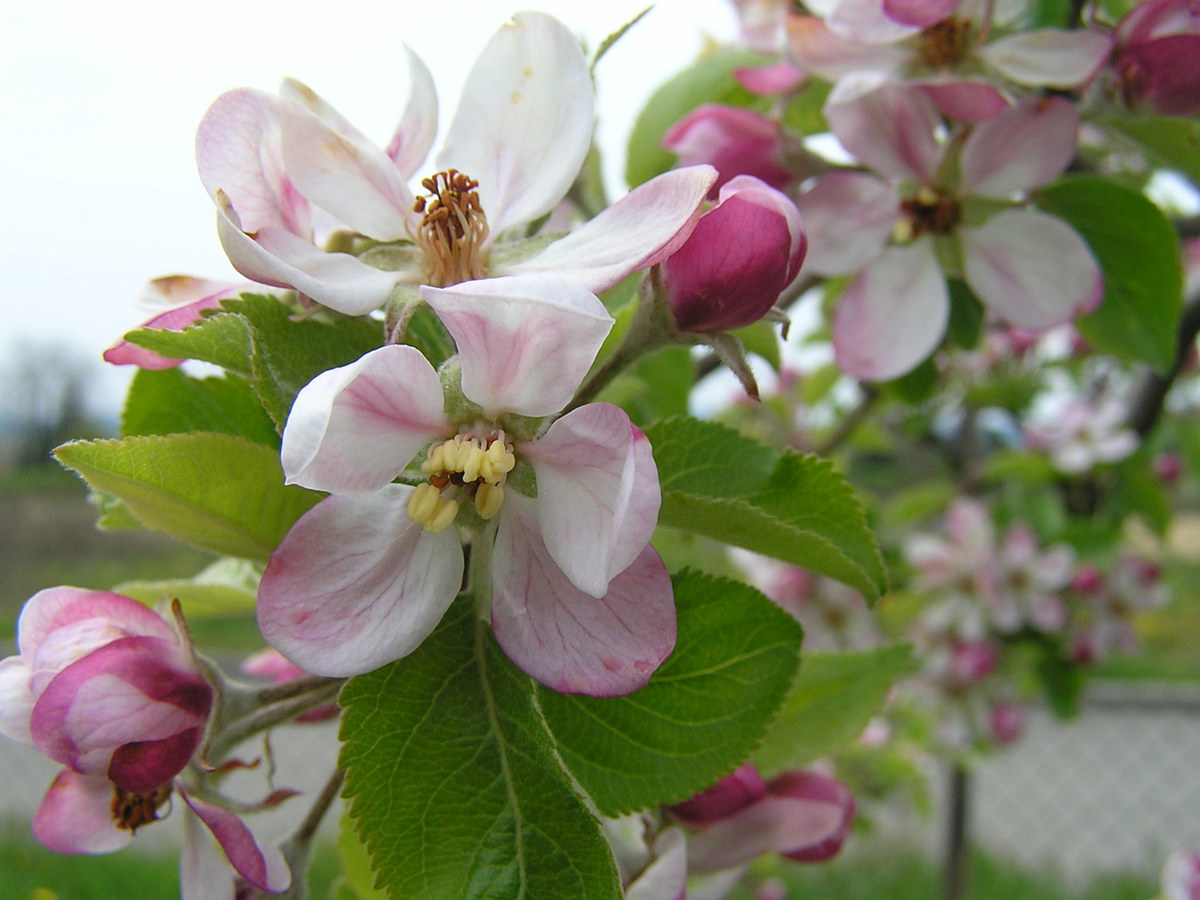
{"x":1049,"y":57}
{"x":891,"y":127}
{"x":16,"y":700}
{"x":598,"y":495}
{"x":355,"y":428}
{"x":355,"y":584}
{"x":1020,"y":149}
{"x":277,"y":257}
{"x":1031,"y":268}
{"x":349,"y":177}
{"x":566,"y":639}
{"x":641,"y":228}
{"x":848,"y":218}
{"x":525,"y":341}
{"x":524,"y":123}
{"x":418,"y":125}
{"x":893,"y":314}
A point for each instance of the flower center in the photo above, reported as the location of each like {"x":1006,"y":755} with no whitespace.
{"x":929,"y":212}
{"x":453,"y":228}
{"x":462,"y":466}
{"x":946,"y":44}
{"x":131,"y":811}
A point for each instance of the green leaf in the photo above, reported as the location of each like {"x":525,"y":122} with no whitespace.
{"x":220,"y":338}
{"x":796,"y":508}
{"x":170,"y":401}
{"x":1139,"y":254}
{"x":657,"y":386}
{"x":427,"y":333}
{"x":227,"y":587}
{"x":215,"y":491}
{"x":762,"y":339}
{"x":831,"y":702}
{"x":288,"y":355}
{"x":966,"y":315}
{"x":453,"y":783}
{"x":918,"y":385}
{"x":1062,"y":680}
{"x":703,"y":711}
{"x":356,"y":863}
{"x":708,"y":81}
{"x":1171,"y":141}
{"x":805,"y":112}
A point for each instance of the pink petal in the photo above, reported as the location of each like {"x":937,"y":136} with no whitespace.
{"x":867,"y":21}
{"x":1048,"y":57}
{"x":418,"y":124}
{"x":771,"y":825}
{"x":1021,"y":149}
{"x":355,"y":584}
{"x":965,"y":100}
{"x":260,"y":864}
{"x":349,"y":177}
{"x":890,"y":127}
{"x":893,"y":314}
{"x":735,"y":141}
{"x":816,"y":48}
{"x":1156,"y":19}
{"x":767,"y":80}
{"x":354,"y":428}
{"x":238,"y":154}
{"x":849,"y":217}
{"x":1165,"y":73}
{"x":75,"y":816}
{"x":566,"y":639}
{"x":1031,"y":268}
{"x":642,"y":228}
{"x":733,"y":792}
{"x":123,"y":353}
{"x":919,"y":13}
{"x":133,"y":690}
{"x":813,"y":788}
{"x":277,"y":257}
{"x":57,"y":607}
{"x":525,"y":342}
{"x":598,"y":495}
{"x":204,"y":872}
{"x":524,"y":123}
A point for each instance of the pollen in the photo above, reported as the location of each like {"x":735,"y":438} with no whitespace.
{"x":453,"y":228}
{"x":928,"y":212}
{"x":131,"y":811}
{"x":946,"y":44}
{"x":463,"y":466}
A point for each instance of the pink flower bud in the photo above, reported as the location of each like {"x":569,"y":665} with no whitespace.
{"x":1087,"y":580}
{"x":1006,"y":720}
{"x":814,"y":788}
{"x":736,"y":141}
{"x":742,"y":254}
{"x":972,"y":660}
{"x":273,"y":665}
{"x":1181,"y":877}
{"x":723,"y":799}
{"x":1168,"y":467}
{"x":1157,"y":56}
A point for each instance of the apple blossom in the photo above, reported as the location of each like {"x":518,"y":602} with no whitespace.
{"x":737,"y":261}
{"x":901,"y":235}
{"x":1156,"y":57}
{"x":106,"y":687}
{"x":579,"y":600}
{"x":521,"y":133}
{"x":803,"y":816}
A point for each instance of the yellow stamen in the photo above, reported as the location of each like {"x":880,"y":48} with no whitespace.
{"x":473,"y":466}
{"x":488,"y":499}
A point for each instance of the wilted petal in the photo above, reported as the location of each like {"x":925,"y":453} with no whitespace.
{"x":598,"y":495}
{"x":277,"y":257}
{"x":1031,"y":268}
{"x":524,"y":123}
{"x":418,"y":124}
{"x":1049,"y":57}
{"x":354,"y":429}
{"x":568,"y":640}
{"x":890,"y":127}
{"x":848,"y":218}
{"x":771,"y":825}
{"x":893,"y":314}
{"x":642,"y":228}
{"x":75,"y":816}
{"x":260,"y":864}
{"x":238,"y":153}
{"x":135,"y":690}
{"x":1021,"y":149}
{"x":349,"y":177}
{"x":525,"y":341}
{"x":355,"y":584}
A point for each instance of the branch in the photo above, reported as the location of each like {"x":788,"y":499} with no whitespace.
{"x":1152,"y":391}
